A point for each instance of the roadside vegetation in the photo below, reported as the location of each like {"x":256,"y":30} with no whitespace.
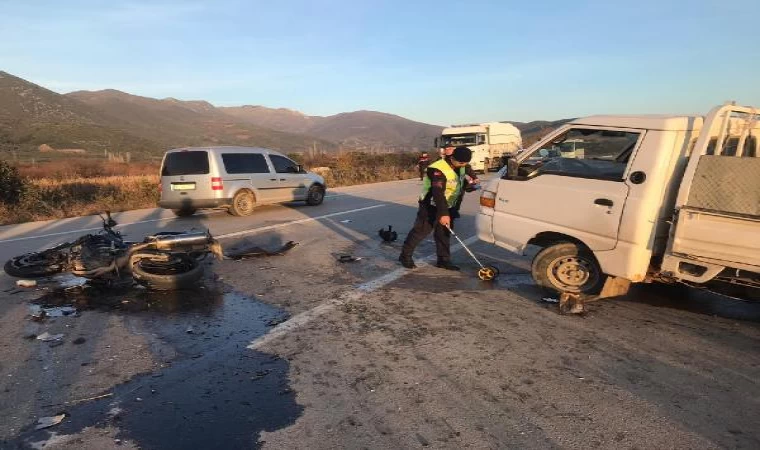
{"x":81,"y":186}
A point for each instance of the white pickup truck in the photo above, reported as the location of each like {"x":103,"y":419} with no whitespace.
{"x":618,"y":199}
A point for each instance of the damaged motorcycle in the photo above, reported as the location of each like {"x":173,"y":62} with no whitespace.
{"x":166,"y":260}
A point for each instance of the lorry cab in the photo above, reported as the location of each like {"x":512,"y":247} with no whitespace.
{"x":599,"y":196}
{"x":489,"y":142}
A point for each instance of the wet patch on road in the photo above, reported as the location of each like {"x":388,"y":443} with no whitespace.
{"x":215,"y":394}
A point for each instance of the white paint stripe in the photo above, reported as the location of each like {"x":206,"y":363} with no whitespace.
{"x":83,"y":230}
{"x":294,"y":222}
{"x":358,"y":292}
{"x":61,"y":233}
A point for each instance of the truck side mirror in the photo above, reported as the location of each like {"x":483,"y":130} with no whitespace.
{"x":512,"y":166}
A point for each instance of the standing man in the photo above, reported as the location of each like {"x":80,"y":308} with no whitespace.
{"x":472,"y":177}
{"x":442,"y":187}
{"x":422,"y":164}
{"x":471,"y":180}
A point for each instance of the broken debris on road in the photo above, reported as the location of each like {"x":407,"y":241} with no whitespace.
{"x":47,"y":422}
{"x":258,"y":252}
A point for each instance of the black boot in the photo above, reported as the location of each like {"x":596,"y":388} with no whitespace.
{"x":407,"y":261}
{"x":446,"y":265}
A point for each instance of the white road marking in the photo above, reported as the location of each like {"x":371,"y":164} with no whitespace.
{"x":295,"y":222}
{"x":83,"y":230}
{"x":359,"y":291}
{"x":60,"y":233}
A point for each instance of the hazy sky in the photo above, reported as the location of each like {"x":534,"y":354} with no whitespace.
{"x":440,"y":62}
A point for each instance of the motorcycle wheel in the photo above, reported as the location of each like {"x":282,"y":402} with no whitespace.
{"x":32,"y":265}
{"x":180,"y":272}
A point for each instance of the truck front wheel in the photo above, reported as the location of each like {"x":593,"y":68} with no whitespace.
{"x":567,"y":267}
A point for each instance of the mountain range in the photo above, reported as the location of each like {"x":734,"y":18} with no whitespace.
{"x":110,"y":120}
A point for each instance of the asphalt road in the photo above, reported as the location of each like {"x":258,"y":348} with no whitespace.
{"x":302,"y":351}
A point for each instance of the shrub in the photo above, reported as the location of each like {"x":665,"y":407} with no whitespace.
{"x":12,"y":185}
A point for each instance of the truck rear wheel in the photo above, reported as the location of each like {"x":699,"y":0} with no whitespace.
{"x":567,"y":267}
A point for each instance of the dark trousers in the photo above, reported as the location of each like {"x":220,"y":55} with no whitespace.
{"x":426,"y":222}
{"x":422,"y":172}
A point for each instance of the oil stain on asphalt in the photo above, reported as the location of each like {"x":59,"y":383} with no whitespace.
{"x":215,"y":394}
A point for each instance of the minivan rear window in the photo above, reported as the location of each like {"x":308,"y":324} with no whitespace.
{"x":185,"y":163}
{"x":244,"y":163}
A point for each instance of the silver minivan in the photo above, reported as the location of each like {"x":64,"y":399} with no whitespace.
{"x":236,"y":178}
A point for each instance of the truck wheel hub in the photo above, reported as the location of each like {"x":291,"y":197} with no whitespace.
{"x":571,"y":271}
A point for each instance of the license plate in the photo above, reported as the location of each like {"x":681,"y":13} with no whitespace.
{"x":183,"y":186}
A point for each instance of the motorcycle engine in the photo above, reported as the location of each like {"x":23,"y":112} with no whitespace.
{"x":94,"y":252}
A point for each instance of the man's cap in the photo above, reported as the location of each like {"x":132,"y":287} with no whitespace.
{"x":462,"y":154}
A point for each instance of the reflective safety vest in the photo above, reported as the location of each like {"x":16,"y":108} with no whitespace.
{"x":454,"y":182}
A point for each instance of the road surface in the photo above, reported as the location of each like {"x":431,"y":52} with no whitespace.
{"x":302,"y":351}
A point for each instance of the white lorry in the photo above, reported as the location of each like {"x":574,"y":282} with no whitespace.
{"x":489,"y":142}
{"x":612,"y":200}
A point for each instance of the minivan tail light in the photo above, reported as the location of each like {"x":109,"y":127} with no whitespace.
{"x":216,"y":184}
{"x":488,"y":199}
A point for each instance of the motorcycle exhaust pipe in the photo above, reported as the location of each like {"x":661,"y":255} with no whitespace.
{"x":172,"y":241}
{"x":192,"y":238}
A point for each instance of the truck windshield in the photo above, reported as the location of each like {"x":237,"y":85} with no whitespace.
{"x":456,"y":140}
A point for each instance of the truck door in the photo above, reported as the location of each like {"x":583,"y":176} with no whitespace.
{"x":580,"y":194}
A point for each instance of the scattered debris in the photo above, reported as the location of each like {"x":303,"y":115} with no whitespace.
{"x":26,"y":283}
{"x":89,"y":399}
{"x":39,"y":313}
{"x":46,"y":422}
{"x":260,"y":374}
{"x":189,"y":330}
{"x":257,"y":252}
{"x":55,"y":343}
{"x":47,"y":337}
{"x":38,"y":316}
{"x":348,"y":258}
{"x":346,"y":221}
{"x":276,"y":321}
{"x":571,"y":303}
{"x":550,"y":300}
{"x":387,"y":235}
{"x":30,"y":335}
{"x":78,"y":341}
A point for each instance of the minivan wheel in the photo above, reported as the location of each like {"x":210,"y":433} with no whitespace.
{"x":184,"y":212}
{"x":567,"y":267}
{"x":316,"y":195}
{"x":242,"y":203}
